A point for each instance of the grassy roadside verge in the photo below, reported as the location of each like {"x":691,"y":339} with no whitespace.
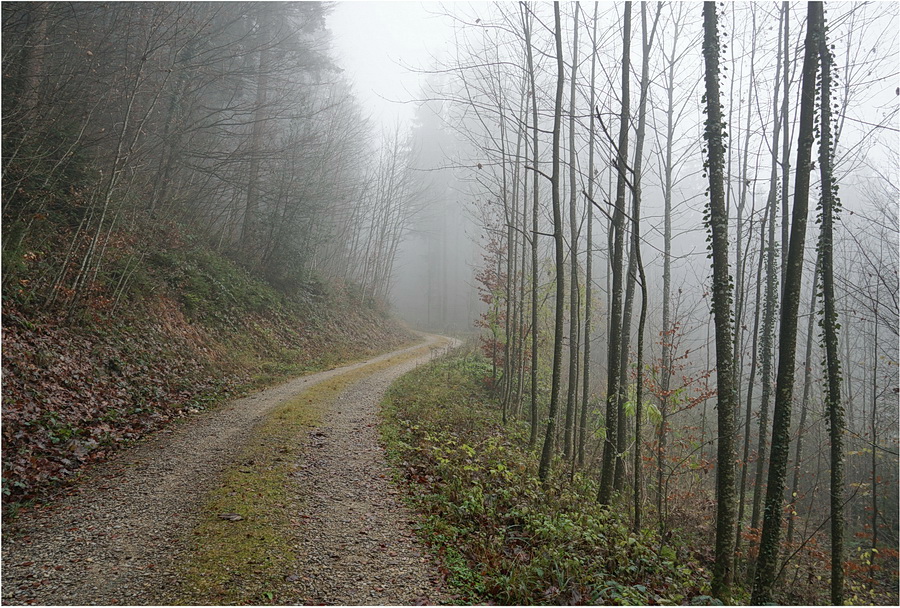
{"x":501,"y":537}
{"x":250,"y":561}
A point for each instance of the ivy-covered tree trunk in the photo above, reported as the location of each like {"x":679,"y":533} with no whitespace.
{"x":768,"y":324}
{"x":767,"y":357}
{"x":717,"y":222}
{"x":547,"y":451}
{"x":834,"y":407}
{"x":766,"y":568}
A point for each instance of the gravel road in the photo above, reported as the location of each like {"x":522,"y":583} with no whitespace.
{"x":113,"y":539}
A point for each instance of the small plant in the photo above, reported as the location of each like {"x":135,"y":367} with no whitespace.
{"x":499,"y":535}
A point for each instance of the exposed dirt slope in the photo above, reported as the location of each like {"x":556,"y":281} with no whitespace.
{"x":116,"y":538}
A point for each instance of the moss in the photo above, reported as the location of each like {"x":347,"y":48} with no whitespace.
{"x":247,"y":561}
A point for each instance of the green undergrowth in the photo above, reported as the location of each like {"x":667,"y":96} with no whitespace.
{"x":251,"y":560}
{"x":500,"y":536}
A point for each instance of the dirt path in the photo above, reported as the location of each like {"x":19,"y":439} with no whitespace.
{"x":112,"y":540}
{"x":357,"y":535}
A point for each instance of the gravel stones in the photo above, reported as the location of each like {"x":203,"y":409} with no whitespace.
{"x":114,"y":539}
{"x":357,"y":533}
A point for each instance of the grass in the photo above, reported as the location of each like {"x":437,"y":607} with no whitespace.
{"x":502,"y":537}
{"x":247,"y":561}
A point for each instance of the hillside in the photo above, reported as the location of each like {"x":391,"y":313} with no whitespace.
{"x":190,"y":329}
{"x":171,"y":234}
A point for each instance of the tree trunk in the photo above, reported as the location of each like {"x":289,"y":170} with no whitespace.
{"x":251,"y":207}
{"x":874,"y":427}
{"x":834,"y":407}
{"x":574,"y":299}
{"x":610,"y":446}
{"x":785,"y":135}
{"x":547,"y":451}
{"x":767,"y":357}
{"x":667,"y":331}
{"x":535,"y":274}
{"x":740,"y":261}
{"x":768,"y":327}
{"x":751,"y":381}
{"x":787,"y":340}
{"x":721,"y":304}
{"x":582,"y":437}
{"x":804,"y":406}
{"x":646,"y":45}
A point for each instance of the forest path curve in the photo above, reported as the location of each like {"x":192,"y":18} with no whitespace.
{"x":112,"y":539}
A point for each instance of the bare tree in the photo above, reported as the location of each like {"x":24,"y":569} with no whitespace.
{"x":574,"y":297}
{"x":547,"y":450}
{"x":611,"y":445}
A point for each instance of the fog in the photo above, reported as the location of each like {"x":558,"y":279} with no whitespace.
{"x":399,"y":54}
{"x":556,"y":181}
{"x":465,"y":83}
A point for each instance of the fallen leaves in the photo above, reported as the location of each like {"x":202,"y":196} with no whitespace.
{"x":64,"y":407}
{"x":75,"y":391}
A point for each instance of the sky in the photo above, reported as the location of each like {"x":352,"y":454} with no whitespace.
{"x":376,"y":44}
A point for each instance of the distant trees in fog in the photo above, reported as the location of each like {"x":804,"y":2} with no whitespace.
{"x":538,"y":96}
{"x":229,"y":118}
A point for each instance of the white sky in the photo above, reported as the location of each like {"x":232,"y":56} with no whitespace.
{"x":374,"y":43}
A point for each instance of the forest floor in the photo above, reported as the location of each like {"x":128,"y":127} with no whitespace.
{"x":290,"y":485}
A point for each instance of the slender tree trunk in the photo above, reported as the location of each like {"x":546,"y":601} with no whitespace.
{"x":787,"y":342}
{"x":610,"y":446}
{"x":667,"y":330}
{"x":785,"y":134}
{"x":512,"y":334}
{"x":574,"y":299}
{"x":768,"y":327}
{"x":582,"y":438}
{"x":535,"y":273}
{"x":721,"y":293}
{"x":768,"y":356}
{"x":874,"y":427}
{"x":751,"y":381}
{"x":625,"y":345}
{"x":547,"y":451}
{"x":646,"y":45}
{"x":251,"y":207}
{"x":834,"y":407}
{"x":506,"y":379}
{"x":520,"y":325}
{"x":739,"y":287}
{"x":804,"y":407}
